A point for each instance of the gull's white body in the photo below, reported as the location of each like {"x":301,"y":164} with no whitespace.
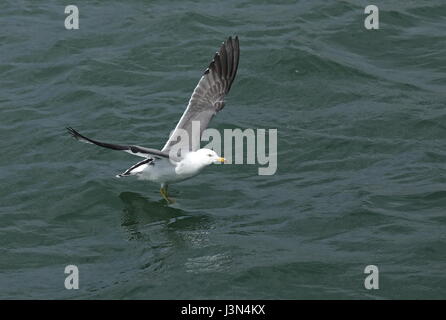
{"x":167,"y":171}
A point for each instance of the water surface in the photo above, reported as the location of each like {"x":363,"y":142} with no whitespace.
{"x":361,"y":149}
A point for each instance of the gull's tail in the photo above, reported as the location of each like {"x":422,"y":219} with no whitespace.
{"x":136,"y":168}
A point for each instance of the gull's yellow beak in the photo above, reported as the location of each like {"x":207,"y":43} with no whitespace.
{"x":222,"y":160}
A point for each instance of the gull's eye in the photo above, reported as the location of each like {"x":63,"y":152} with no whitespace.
{"x":209,"y":155}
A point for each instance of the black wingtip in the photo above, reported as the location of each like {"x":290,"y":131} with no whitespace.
{"x":73,"y":133}
{"x":229,"y":49}
{"x":70,"y":130}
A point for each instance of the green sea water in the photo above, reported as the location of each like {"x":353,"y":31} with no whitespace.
{"x":361,"y":123}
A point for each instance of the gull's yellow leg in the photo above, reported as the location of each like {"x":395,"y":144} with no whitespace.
{"x":163,"y":192}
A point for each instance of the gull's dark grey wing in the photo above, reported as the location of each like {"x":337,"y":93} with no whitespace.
{"x":135,"y":150}
{"x":208,"y":96}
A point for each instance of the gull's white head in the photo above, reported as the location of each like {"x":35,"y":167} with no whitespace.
{"x":207,"y":156}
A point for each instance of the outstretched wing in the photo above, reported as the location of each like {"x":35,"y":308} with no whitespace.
{"x":208,"y":97}
{"x":135,"y":150}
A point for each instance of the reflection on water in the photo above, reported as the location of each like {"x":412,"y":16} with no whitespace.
{"x":167,"y":232}
{"x":140,"y":210}
{"x":141,"y":215}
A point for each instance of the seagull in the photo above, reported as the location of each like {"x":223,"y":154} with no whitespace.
{"x":165,"y":166}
